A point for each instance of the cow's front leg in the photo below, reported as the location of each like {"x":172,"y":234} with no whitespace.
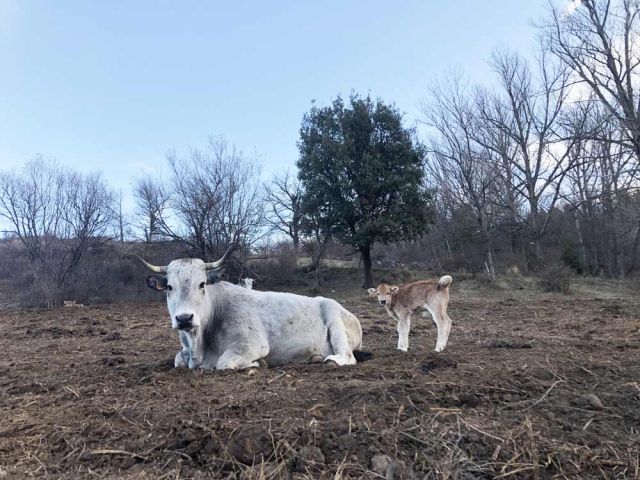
{"x":197,"y":348}
{"x":183,"y":357}
{"x":243,"y":353}
{"x":404,"y":325}
{"x":232,"y":361}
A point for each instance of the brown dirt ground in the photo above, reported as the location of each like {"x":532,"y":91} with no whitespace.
{"x":91,"y":392}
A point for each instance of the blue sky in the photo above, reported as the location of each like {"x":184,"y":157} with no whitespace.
{"x":113,"y":85}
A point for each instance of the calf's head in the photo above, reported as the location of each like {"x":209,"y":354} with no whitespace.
{"x":185,"y":281}
{"x":384,"y":293}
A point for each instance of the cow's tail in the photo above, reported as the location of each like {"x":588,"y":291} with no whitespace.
{"x":362,"y":356}
{"x":444,"y":281}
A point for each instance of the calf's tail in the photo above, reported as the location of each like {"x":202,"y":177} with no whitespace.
{"x":445,"y":281}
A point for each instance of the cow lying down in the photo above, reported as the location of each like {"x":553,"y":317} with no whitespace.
{"x":401,"y":301}
{"x":222,"y":325}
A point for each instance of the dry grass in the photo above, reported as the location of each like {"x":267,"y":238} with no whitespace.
{"x":90,"y":392}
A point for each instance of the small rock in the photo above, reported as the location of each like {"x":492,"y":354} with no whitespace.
{"x":380,"y":463}
{"x":592,"y":401}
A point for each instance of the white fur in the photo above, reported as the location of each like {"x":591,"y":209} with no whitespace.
{"x":247,"y":283}
{"x":234,"y":327}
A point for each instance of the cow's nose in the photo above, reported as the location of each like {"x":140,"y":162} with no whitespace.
{"x":184,"y":321}
{"x":383,"y":302}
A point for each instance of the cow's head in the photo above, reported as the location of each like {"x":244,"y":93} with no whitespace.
{"x":384,"y":293}
{"x":247,"y":283}
{"x":185,"y":280}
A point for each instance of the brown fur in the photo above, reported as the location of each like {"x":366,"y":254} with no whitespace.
{"x":401,"y":301}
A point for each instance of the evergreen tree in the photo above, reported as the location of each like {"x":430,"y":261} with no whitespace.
{"x":362,"y":170}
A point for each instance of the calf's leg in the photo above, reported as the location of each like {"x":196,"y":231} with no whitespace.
{"x":404,"y":326}
{"x":443,"y":324}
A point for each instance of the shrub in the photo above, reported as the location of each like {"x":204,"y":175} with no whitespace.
{"x":556,"y":280}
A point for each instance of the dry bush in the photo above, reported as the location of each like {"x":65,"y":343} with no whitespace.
{"x":556,"y":280}
{"x":278,"y":267}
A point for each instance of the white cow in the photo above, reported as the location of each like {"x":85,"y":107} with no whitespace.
{"x":247,"y":283}
{"x":222,"y":325}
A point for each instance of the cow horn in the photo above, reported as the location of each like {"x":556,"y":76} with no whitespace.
{"x":153,"y":268}
{"x":218,"y":263}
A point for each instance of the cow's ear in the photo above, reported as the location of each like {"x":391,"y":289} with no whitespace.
{"x":214,"y":276}
{"x":157,"y":282}
{"x":394,"y":289}
{"x":371,"y":290}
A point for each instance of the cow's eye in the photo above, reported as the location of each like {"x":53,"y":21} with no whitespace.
{"x":169,"y":287}
{"x":202,"y":285}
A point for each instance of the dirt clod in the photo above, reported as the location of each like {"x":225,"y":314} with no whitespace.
{"x":250,"y":445}
{"x":437,"y":363}
{"x":379,"y":463}
{"x":508,"y":344}
{"x":307,"y":458}
{"x":590,"y":400}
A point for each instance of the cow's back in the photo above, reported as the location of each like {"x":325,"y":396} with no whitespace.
{"x":296,"y":326}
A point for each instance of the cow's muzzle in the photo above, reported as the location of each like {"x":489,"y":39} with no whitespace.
{"x":382,"y":302}
{"x":185,"y":321}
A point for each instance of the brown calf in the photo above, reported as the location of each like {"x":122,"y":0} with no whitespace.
{"x":401,"y":301}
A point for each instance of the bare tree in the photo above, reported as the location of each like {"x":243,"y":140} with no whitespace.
{"x":151,"y":208}
{"x":121,"y":218}
{"x":462,"y":169}
{"x":217,"y":199}
{"x":283,"y":197}
{"x":317,"y":235}
{"x":56,"y":214}
{"x":599,"y":41}
{"x":531,"y":118}
{"x":600,"y":186}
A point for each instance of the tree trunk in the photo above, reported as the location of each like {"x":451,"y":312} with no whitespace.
{"x":583,"y":250}
{"x":634,"y":254}
{"x":316,"y":276}
{"x":365,"y":252}
{"x":490,"y":265}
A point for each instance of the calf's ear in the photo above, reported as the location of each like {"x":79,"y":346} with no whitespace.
{"x":394,"y":289}
{"x":214,"y":275}
{"x":371,"y":291}
{"x":157,"y":282}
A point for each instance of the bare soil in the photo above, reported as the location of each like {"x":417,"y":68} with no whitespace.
{"x":531,"y":385}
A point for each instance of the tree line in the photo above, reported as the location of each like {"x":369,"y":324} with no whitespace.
{"x":537,"y":168}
